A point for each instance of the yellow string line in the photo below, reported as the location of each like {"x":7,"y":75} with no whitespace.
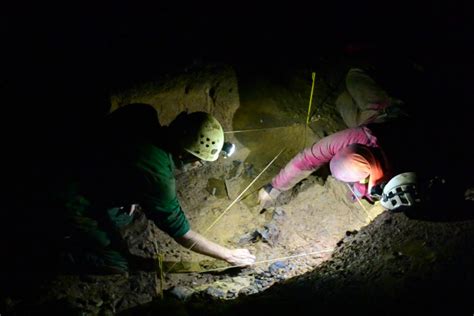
{"x":313,"y":76}
{"x":358,"y":200}
{"x":245,"y":190}
{"x":271,"y":260}
{"x":162,"y":276}
{"x":233,"y":202}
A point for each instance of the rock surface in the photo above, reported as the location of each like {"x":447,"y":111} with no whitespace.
{"x":316,"y":250}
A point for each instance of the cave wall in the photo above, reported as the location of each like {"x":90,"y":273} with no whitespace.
{"x":210,"y":88}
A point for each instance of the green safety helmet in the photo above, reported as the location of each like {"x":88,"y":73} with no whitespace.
{"x":202,"y":136}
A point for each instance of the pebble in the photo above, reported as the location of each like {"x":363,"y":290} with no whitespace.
{"x":349,"y":233}
{"x":248,"y":290}
{"x":215,"y":292}
{"x":277,"y":266}
{"x":279,"y":214}
{"x":181,"y":292}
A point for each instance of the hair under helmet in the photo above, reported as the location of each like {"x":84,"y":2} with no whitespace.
{"x":355,"y":163}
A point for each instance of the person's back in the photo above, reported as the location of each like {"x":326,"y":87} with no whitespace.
{"x":125,"y":137}
{"x":132,"y":165}
{"x":125,"y":166}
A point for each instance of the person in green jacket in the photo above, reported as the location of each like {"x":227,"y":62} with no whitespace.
{"x":133,"y":166}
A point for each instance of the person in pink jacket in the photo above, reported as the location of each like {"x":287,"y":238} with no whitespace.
{"x":354,"y":154}
{"x":354,"y":157}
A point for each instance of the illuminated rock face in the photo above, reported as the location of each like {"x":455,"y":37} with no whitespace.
{"x":211,"y":89}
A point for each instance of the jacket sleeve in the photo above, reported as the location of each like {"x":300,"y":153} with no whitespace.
{"x":320,"y":153}
{"x":159,"y":200}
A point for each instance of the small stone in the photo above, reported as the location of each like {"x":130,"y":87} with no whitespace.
{"x":270,"y":233}
{"x":215,"y":292}
{"x":249,"y":237}
{"x":279,"y":214}
{"x":276,"y":266}
{"x":249,"y":170}
{"x":350,"y":233}
{"x":248,"y":290}
{"x":181,"y":292}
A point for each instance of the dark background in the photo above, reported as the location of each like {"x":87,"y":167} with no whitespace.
{"x":59,"y":63}
{"x":57,"y":50}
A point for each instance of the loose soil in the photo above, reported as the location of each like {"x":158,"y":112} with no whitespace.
{"x":337,"y":247}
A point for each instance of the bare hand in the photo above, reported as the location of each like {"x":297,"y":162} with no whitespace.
{"x":266,"y":199}
{"x":240,"y":257}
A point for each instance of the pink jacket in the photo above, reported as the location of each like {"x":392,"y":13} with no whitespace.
{"x":321,"y":152}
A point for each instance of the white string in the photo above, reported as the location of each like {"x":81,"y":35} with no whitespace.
{"x":243,"y":192}
{"x":271,"y":260}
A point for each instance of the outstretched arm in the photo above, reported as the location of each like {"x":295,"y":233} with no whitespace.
{"x":311,"y":159}
{"x":199,"y":244}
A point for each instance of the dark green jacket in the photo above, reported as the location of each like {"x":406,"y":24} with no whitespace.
{"x":155,"y":189}
{"x":136,"y":169}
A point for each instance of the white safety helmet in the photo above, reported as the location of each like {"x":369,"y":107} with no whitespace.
{"x":400,"y":191}
{"x":202,"y":136}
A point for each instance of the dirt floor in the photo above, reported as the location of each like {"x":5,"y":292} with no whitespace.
{"x":313,"y":247}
